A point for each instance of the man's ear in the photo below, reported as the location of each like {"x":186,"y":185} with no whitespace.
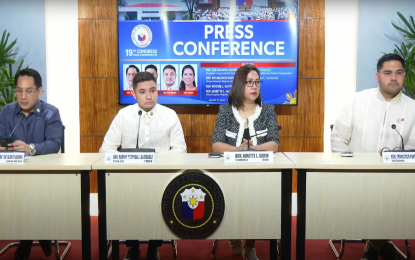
{"x":40,"y":90}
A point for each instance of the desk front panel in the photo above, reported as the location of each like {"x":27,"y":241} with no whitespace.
{"x":252,"y":205}
{"x":40,"y":206}
{"x":353,"y":205}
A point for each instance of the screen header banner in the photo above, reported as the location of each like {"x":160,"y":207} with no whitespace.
{"x":171,"y":40}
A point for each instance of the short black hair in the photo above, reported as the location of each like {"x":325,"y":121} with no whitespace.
{"x":151,"y":66}
{"x":143,"y":77}
{"x":29,"y":73}
{"x":236,"y":94}
{"x":132,"y":66}
{"x":389,"y":57}
{"x":169,"y":67}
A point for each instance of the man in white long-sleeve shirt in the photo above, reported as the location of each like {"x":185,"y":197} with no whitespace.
{"x":160,"y":129}
{"x":365,"y":125}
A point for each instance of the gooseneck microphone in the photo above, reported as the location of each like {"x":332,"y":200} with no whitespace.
{"x":21,"y":118}
{"x":140,"y":112}
{"x":137,"y":149}
{"x":278,"y":127}
{"x":394,"y":127}
{"x":256,"y":134}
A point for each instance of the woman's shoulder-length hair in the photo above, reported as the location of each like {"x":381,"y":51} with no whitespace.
{"x":236,"y":94}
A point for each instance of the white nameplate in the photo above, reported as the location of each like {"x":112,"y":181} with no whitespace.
{"x":12,"y":157}
{"x":398,"y":156}
{"x":130,"y":158}
{"x":248,"y":157}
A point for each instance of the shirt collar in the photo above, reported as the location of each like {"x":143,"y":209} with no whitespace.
{"x":37,"y":110}
{"x":17,"y":109}
{"x":396,"y":99}
{"x":150,"y":113}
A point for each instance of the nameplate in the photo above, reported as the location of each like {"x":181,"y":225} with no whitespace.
{"x":129,"y":158}
{"x":398,"y":156}
{"x":12,"y":157}
{"x":248,"y":157}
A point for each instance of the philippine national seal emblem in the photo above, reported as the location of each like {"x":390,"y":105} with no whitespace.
{"x":141,"y":35}
{"x":193,"y":205}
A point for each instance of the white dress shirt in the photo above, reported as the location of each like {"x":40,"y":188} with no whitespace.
{"x":160,"y":129}
{"x":174,"y":87}
{"x":365,"y":124}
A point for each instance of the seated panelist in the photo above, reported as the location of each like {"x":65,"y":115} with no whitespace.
{"x":368,"y":124}
{"x":160,"y":126}
{"x":32,"y":126}
{"x":160,"y":129}
{"x":245,"y":124}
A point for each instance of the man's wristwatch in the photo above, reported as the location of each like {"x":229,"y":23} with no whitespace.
{"x":32,"y":149}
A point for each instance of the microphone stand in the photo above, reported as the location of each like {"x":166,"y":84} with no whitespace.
{"x":137,"y":149}
{"x":140,"y":112}
{"x":394,"y":127}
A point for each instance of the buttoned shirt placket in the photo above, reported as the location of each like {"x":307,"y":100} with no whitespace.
{"x":147,"y":117}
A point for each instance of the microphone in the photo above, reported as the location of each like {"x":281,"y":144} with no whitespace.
{"x":140,"y":112}
{"x":278,"y":128}
{"x":137,"y":149}
{"x":250,"y":139}
{"x":21,"y":118}
{"x":394,"y":127}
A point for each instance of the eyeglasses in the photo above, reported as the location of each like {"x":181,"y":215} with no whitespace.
{"x":250,"y":83}
{"x":29,"y":91}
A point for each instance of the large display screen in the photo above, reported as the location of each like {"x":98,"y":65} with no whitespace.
{"x":194,"y":60}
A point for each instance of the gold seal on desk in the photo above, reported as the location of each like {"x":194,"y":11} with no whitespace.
{"x":193,"y":205}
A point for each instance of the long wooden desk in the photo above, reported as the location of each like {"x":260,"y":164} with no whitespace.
{"x":353,"y":198}
{"x":47,"y":197}
{"x":257,"y":198}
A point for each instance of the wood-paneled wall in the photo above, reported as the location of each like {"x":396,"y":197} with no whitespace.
{"x":302,"y":125}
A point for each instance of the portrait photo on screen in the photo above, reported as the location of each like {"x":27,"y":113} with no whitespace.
{"x":188,"y":77}
{"x":155,"y":70}
{"x":170,"y":79}
{"x":130,"y":70}
{"x":188,"y":80}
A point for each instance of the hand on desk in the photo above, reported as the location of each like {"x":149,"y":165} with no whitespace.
{"x":19,"y":146}
{"x":244,"y":145}
{"x":251,"y":145}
